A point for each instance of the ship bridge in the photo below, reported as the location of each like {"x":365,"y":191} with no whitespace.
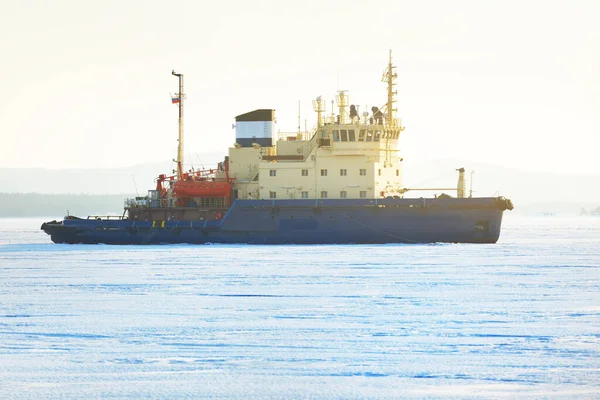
{"x":347,"y":154}
{"x":346,"y":133}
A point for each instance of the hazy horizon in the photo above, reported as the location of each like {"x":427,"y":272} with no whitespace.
{"x":467,"y":164}
{"x":513,"y":84}
{"x":523,"y":187}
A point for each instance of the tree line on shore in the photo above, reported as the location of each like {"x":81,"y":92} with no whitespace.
{"x":595,"y":211}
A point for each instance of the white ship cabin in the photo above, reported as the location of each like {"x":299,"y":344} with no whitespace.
{"x":346,"y":156}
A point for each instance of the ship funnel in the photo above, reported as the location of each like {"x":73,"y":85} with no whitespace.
{"x":255,"y":127}
{"x":461,"y":187}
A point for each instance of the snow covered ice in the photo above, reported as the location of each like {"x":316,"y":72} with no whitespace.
{"x":520,"y":318}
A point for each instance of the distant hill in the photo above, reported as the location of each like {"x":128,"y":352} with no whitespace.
{"x":531,"y":192}
{"x":137,"y":178}
{"x":58,"y":205}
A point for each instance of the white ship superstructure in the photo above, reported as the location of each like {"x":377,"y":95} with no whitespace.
{"x":347,"y":155}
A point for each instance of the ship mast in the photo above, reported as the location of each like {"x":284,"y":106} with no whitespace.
{"x":180,"y":96}
{"x":391,"y":77}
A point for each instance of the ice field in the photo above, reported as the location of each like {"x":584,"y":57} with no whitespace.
{"x":520,"y":318}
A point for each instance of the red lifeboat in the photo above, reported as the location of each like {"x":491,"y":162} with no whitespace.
{"x":202,"y":188}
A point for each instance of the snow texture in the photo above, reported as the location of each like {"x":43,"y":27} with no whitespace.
{"x":520,"y":318}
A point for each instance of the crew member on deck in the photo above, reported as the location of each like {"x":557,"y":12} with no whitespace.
{"x":378,"y":115}
{"x":353,"y":113}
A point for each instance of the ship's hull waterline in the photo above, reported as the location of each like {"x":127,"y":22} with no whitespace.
{"x":452,"y":220}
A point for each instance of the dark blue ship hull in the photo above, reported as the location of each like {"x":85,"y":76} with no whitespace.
{"x":465,"y":220}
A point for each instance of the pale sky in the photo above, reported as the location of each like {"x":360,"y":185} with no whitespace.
{"x":86,"y":84}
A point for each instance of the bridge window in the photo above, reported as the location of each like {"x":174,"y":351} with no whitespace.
{"x":351,"y":135}
{"x":344,"y":135}
{"x":323,"y":172}
{"x":343,"y":172}
{"x":336,"y":136}
{"x":324,"y":134}
{"x":273,"y":195}
{"x":363,"y":194}
{"x":323,"y":194}
{"x":272,"y":172}
{"x":363,"y":172}
{"x":305,"y":195}
{"x":304,"y":172}
{"x":343,"y":194}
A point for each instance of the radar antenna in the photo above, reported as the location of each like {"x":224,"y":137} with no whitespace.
{"x":319,"y":107}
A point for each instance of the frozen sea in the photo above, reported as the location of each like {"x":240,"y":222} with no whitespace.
{"x":518,"y":319}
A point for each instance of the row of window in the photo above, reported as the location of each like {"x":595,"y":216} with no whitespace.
{"x":364,"y":135}
{"x":343,"y":194}
{"x":343,"y":172}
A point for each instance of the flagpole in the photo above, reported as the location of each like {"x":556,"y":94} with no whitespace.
{"x":180,"y":140}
